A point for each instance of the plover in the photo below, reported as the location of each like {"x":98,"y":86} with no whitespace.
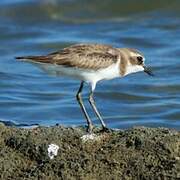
{"x":91,"y":63}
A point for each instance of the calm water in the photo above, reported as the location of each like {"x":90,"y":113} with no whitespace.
{"x":29,"y":96}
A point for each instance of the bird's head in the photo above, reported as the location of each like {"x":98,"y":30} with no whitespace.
{"x":133,"y":61}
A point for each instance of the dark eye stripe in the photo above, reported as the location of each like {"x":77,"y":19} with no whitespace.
{"x":140,"y":59}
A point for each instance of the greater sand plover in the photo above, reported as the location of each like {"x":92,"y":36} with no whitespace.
{"x":91,"y":63}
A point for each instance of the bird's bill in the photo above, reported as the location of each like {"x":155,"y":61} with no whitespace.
{"x":148,"y":71}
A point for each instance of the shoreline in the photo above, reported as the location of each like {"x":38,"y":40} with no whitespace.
{"x":59,"y":152}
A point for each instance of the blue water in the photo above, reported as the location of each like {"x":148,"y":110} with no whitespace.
{"x":29,"y":96}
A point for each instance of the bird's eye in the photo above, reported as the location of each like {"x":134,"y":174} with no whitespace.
{"x":140,"y":59}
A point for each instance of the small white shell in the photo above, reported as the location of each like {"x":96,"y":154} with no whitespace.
{"x":88,"y":137}
{"x":52,"y":150}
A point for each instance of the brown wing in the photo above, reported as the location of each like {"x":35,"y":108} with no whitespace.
{"x":94,"y":56}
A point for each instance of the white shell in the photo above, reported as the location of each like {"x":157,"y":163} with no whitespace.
{"x":52,"y":150}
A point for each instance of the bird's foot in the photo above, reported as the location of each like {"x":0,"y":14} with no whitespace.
{"x":89,"y":129}
{"x":105,"y":129}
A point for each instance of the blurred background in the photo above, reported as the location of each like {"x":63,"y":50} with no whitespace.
{"x":30,"y":27}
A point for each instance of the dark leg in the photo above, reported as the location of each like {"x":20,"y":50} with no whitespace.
{"x":92,"y":103}
{"x":80,"y":101}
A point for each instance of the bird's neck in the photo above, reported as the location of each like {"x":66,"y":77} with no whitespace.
{"x":123,"y":63}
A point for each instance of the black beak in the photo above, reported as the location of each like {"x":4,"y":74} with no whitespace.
{"x":148,"y":71}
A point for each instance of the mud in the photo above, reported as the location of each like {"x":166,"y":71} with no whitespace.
{"x":138,"y":153}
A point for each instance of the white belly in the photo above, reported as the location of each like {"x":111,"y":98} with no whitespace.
{"x":90,"y":76}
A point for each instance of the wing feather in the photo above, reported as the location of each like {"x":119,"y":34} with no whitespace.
{"x":94,"y":56}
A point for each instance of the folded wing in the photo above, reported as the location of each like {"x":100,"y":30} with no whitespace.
{"x":85,"y":56}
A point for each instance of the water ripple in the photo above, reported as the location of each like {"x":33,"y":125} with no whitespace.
{"x":29,"y":96}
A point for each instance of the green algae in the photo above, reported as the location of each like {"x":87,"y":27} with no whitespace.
{"x":138,"y":153}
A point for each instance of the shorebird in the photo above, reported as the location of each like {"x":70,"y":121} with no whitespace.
{"x":91,"y":63}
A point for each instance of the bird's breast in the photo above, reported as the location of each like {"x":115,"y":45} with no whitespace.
{"x":88,"y":75}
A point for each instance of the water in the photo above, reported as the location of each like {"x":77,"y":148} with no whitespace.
{"x":29,"y":96}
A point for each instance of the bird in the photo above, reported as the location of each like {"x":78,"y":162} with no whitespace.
{"x":91,"y":63}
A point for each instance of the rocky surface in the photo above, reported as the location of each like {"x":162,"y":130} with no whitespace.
{"x":138,"y":153}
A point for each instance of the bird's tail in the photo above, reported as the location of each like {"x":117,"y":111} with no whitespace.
{"x":37,"y":59}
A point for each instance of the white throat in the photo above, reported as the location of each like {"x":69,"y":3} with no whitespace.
{"x":133,"y":69}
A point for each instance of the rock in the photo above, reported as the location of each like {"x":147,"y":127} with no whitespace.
{"x":138,"y":153}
